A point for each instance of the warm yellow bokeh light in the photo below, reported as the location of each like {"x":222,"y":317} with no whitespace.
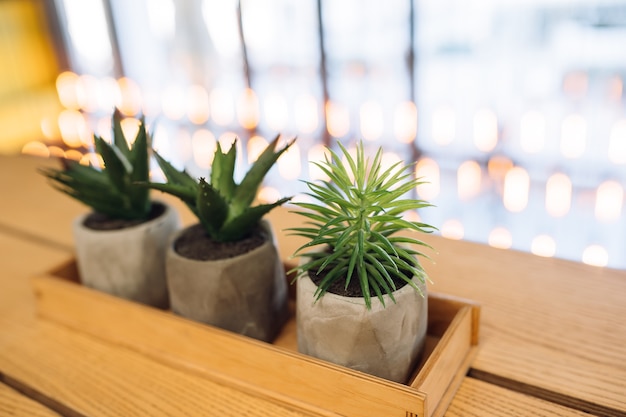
{"x":36,"y":148}
{"x":516,"y":189}
{"x":248,"y":112}
{"x":500,"y":238}
{"x":203,"y":146}
{"x":609,"y":201}
{"x":198,"y":105}
{"x":543,"y":245}
{"x":452,"y":229}
{"x":558,"y":195}
{"x":427,"y":170}
{"x":468,"y":180}
{"x":405,"y":122}
{"x":595,"y":255}
{"x":337,"y":119}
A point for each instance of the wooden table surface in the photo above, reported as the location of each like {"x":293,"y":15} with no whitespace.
{"x":552,"y":336}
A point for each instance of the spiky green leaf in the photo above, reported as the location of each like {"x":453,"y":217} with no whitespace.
{"x":223,"y":170}
{"x":247,"y":189}
{"x":357,"y":214}
{"x":212,"y":208}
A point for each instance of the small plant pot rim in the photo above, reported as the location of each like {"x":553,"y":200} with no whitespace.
{"x":168,"y":209}
{"x":265,"y":225}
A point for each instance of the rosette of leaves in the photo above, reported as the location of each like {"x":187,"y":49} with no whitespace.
{"x":223,"y":207}
{"x":112,"y":190}
{"x":355,"y":223}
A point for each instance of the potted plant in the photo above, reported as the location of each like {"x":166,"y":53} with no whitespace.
{"x":361,"y":292}
{"x":225,"y":270}
{"x":120,"y":244}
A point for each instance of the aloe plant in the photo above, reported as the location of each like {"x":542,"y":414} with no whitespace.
{"x":112,"y":190}
{"x":223,"y":207}
{"x":354,"y":223}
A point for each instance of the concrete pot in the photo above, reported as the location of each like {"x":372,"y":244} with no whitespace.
{"x":246,"y":294}
{"x":128,"y":263}
{"x":384,"y":341}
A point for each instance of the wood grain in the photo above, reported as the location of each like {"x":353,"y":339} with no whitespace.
{"x":92,"y":378}
{"x":14,"y":404}
{"x":548,"y":323}
{"x":545,"y":322}
{"x":479,"y":399}
{"x":96,"y":379}
{"x":249,"y":364}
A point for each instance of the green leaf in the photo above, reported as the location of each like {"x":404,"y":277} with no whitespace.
{"x":357,"y":213}
{"x":379,"y":271}
{"x":336,"y":272}
{"x":212,"y":208}
{"x":247,"y":189}
{"x":116,"y":165}
{"x":175,"y":176}
{"x":119,"y":139}
{"x":182,"y":192}
{"x":237,"y":227}
{"x":140,"y":161}
{"x":111,"y":190}
{"x":223,"y":169}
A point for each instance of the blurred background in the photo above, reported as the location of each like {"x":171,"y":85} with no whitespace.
{"x":513,"y":111}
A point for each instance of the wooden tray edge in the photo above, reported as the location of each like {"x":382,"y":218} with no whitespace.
{"x":49,"y":284}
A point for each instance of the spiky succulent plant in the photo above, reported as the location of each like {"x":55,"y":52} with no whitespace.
{"x":354,"y":225}
{"x":111,"y":190}
{"x":223,"y":207}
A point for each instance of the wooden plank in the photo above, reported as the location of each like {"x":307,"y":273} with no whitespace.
{"x":223,"y":356}
{"x":92,"y":378}
{"x":30,"y":205}
{"x":546,"y":322}
{"x":553,"y":324}
{"x":20,"y":260}
{"x":96,"y":379}
{"x":88,"y":377}
{"x":12,"y":403}
{"x":478,"y":398}
{"x":550,"y":323}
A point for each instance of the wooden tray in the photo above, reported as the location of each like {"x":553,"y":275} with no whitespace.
{"x":273,"y":371}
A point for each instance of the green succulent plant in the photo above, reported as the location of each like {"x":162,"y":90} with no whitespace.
{"x":112,"y":190}
{"x":354,"y":222}
{"x":223,"y":207}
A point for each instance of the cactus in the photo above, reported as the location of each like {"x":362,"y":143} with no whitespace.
{"x":112,"y":190}
{"x":223,"y":207}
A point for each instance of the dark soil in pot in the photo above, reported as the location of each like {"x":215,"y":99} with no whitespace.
{"x":354,"y":287}
{"x":194,"y":243}
{"x":99,"y":221}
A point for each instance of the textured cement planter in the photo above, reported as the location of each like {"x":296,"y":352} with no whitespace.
{"x":384,"y":341}
{"x":128,"y":263}
{"x":246,"y":294}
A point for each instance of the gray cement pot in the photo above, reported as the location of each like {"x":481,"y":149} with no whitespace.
{"x":384,"y":341}
{"x":246,"y":294}
{"x":128,"y":263}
